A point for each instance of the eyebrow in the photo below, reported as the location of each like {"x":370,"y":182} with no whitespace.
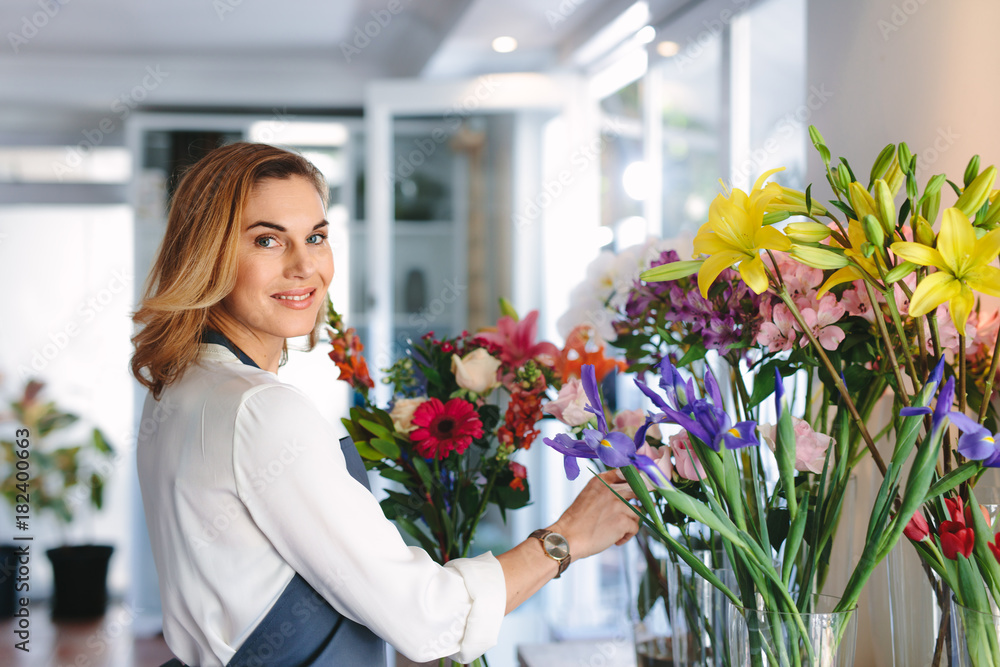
{"x":275,"y":226}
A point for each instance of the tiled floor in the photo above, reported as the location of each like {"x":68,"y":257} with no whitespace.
{"x":105,"y":642}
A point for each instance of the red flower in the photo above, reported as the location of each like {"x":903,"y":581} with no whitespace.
{"x":917,"y":528}
{"x":445,"y":427}
{"x":954,"y":506}
{"x":520,"y":474}
{"x":956,"y":539}
{"x":517,"y":341}
{"x":520,"y":422}
{"x":994,"y":546}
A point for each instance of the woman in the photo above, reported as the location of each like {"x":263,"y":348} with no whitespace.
{"x":269,"y":548}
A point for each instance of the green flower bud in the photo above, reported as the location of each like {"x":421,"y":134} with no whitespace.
{"x":882,"y":162}
{"x":922,"y":232}
{"x":873,"y":231}
{"x":806,"y":232}
{"x":899,"y":272}
{"x":819,"y":258}
{"x":886,"y":205}
{"x":671,"y":271}
{"x":971,"y":170}
{"x":905,"y":158}
{"x":977,"y":193}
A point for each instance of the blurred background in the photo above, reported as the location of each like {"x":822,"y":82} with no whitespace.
{"x":474,"y":149}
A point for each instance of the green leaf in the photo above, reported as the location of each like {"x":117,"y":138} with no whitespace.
{"x":696,"y":352}
{"x":387,"y":448}
{"x":952,"y":479}
{"x":368,"y":452}
{"x":377,"y":429}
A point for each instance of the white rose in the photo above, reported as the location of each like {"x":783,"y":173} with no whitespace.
{"x":402,"y":413}
{"x":476,"y":372}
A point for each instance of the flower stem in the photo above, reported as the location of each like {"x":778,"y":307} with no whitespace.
{"x":988,"y":387}
{"x":837,"y":380}
{"x":897,"y":322}
{"x":904,"y":397}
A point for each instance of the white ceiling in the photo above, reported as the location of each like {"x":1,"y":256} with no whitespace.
{"x":72,"y":57}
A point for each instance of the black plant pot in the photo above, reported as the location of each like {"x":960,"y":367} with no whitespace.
{"x":8,"y":583}
{"x":81,"y":580}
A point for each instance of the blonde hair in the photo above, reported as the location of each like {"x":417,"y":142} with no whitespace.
{"x":196,"y":264}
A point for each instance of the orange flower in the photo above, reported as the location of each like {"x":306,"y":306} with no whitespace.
{"x":576,"y":354}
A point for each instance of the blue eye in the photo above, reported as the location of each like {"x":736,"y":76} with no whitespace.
{"x":264,"y":241}
{"x":316,"y":239}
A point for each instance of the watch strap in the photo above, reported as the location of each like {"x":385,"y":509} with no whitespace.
{"x":541,"y":534}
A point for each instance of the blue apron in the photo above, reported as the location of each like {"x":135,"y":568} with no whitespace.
{"x":302,"y":629}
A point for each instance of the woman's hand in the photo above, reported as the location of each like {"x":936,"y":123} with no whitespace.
{"x":597,"y":518}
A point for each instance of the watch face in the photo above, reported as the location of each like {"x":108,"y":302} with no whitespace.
{"x":556,"y":546}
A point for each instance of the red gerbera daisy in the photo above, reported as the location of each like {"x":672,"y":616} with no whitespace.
{"x":445,"y":427}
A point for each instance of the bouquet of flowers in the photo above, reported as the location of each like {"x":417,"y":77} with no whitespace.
{"x":462,"y":408}
{"x":870,"y":329}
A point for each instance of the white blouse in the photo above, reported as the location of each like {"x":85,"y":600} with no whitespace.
{"x":244,"y":484}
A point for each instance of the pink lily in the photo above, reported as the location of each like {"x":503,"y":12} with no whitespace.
{"x":517,"y":341}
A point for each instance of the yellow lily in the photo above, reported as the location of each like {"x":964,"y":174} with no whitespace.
{"x":735,"y":233}
{"x":962,"y":263}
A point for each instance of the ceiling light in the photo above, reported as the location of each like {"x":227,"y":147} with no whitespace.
{"x":504,"y":44}
{"x":668,"y":49}
{"x":646,"y":34}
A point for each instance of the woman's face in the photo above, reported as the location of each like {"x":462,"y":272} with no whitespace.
{"x":285,"y":267}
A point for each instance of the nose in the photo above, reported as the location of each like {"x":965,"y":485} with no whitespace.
{"x":301,"y":262}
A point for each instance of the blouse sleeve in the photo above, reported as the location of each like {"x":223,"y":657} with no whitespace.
{"x":291,"y":475}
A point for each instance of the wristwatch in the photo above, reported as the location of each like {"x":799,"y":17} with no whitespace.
{"x":555,"y":547}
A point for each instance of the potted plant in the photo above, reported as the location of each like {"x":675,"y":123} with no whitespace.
{"x":45,"y":469}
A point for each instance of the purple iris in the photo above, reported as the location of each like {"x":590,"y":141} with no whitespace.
{"x":614,"y":449}
{"x":942,"y":408}
{"x":703,"y":418}
{"x":976,"y":441}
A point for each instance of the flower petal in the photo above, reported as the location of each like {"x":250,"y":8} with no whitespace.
{"x":753,"y":274}
{"x":960,"y":306}
{"x":986,"y":249}
{"x":957,"y":239}
{"x":985,"y":279}
{"x":932,"y":291}
{"x":715,"y":265}
{"x":918,"y":253}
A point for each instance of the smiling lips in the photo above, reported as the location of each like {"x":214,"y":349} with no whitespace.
{"x":296,"y":299}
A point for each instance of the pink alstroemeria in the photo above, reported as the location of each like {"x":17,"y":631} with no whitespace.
{"x":822,"y":320}
{"x":810,"y":446}
{"x":780,"y":333}
{"x":571,"y":406}
{"x":630,"y":421}
{"x":516,"y":340}
{"x":686,"y":462}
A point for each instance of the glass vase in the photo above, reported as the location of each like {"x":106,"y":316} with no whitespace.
{"x":976,"y":636}
{"x":820,"y":638}
{"x":678,"y":618}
